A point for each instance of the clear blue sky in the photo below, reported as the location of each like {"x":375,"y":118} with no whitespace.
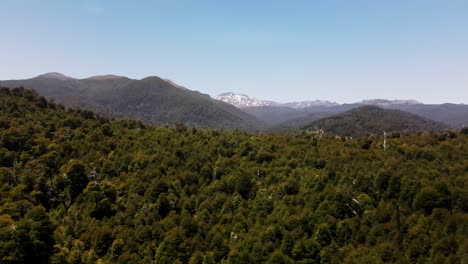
{"x":285,"y":50}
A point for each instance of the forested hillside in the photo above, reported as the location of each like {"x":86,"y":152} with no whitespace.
{"x":79,"y":188}
{"x":371,"y":119}
{"x":451,"y":115}
{"x":152,"y":100}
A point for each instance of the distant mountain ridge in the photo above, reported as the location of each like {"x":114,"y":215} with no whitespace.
{"x":245,"y":101}
{"x":384,"y":102}
{"x":296,"y":115}
{"x":151,"y":99}
{"x":161,"y":101}
{"x":55,"y":75}
{"x":307,"y":104}
{"x":372,"y":119}
{"x":242,"y":100}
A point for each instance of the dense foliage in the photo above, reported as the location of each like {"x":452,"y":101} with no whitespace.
{"x":79,"y":188}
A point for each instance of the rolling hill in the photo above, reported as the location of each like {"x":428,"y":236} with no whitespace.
{"x":374,"y":120}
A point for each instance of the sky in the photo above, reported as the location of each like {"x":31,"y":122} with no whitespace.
{"x":289,"y":50}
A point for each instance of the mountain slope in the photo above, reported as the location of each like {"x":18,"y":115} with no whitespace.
{"x":296,"y":124}
{"x":278,"y":115}
{"x":273,"y":115}
{"x":374,"y":120}
{"x":151,"y":99}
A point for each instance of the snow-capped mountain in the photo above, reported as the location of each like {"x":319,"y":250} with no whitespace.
{"x":384,"y":102}
{"x":242,"y":100}
{"x":245,"y":101}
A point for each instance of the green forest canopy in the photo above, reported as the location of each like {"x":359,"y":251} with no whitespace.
{"x":76,"y":187}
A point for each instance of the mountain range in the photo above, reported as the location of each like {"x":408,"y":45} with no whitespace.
{"x":299,"y":114}
{"x":160,"y":101}
{"x":245,"y":101}
{"x":151,"y":99}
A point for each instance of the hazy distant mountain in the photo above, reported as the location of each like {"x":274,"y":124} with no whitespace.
{"x":105,"y":77}
{"x":308,"y":104}
{"x":298,"y":123}
{"x":384,"y":102}
{"x":245,"y":101}
{"x":55,"y":75}
{"x":274,"y":113}
{"x":151,"y":99}
{"x":371,"y":120}
{"x":298,"y":114}
{"x":454,"y":115}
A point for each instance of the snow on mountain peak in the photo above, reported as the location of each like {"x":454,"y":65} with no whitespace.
{"x":242,"y":100}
